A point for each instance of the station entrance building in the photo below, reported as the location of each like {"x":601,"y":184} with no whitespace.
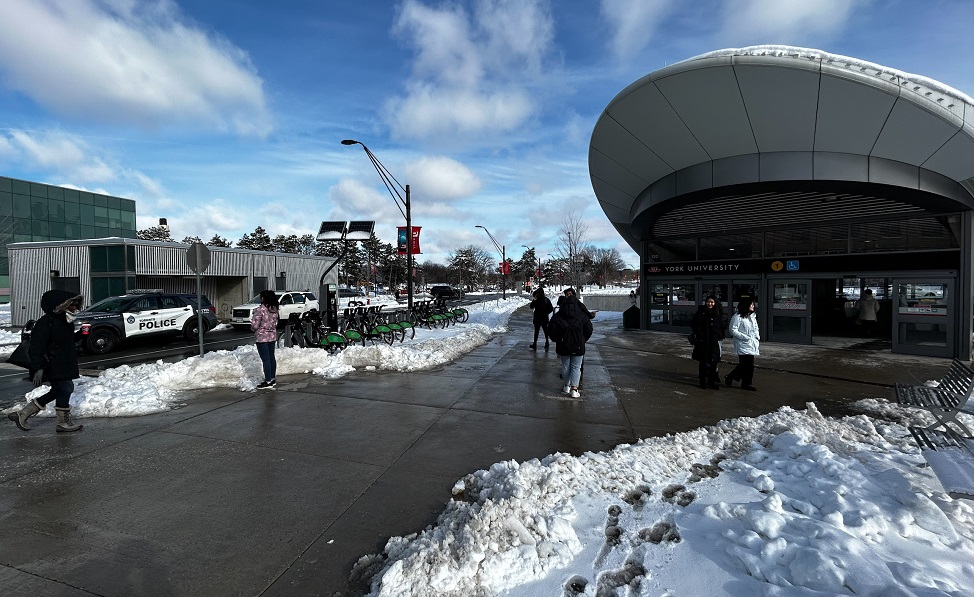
{"x":798,"y":178}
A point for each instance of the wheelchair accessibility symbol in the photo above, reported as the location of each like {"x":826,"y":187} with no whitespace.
{"x":792,"y":266}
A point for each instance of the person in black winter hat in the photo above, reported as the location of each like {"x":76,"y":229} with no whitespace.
{"x":53,"y":359}
{"x":542,"y":307}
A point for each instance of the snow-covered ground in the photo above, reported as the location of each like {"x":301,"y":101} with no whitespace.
{"x":791,"y":503}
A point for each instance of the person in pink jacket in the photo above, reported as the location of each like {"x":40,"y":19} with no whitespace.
{"x":264,"y":324}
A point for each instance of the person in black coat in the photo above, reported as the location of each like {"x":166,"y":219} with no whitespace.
{"x":571,"y":327}
{"x":542,"y":311}
{"x":708,"y":327}
{"x":53,"y":359}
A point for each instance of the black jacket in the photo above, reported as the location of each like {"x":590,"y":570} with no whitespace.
{"x":571,"y":327}
{"x":52,"y":346}
{"x":542,"y":309}
{"x":708,"y":326}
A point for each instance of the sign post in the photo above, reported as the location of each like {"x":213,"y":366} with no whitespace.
{"x":198,"y":259}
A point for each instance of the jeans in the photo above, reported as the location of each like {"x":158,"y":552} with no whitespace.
{"x":267,"y":359}
{"x":571,"y":369}
{"x":60,"y":394}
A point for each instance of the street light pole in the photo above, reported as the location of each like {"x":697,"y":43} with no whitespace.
{"x":388,"y":179}
{"x":503,"y":251}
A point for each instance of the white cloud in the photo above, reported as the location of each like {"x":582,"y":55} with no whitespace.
{"x":128,"y":62}
{"x":441,"y":178}
{"x":64,"y":154}
{"x":470,"y":72}
{"x":633,"y":23}
{"x":774,"y":21}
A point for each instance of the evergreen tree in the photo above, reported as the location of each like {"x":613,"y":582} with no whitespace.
{"x":259,"y":240}
{"x":191,"y":239}
{"x":155,"y":233}
{"x":219,"y":241}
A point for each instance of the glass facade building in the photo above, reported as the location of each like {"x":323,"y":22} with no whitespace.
{"x":32,"y":211}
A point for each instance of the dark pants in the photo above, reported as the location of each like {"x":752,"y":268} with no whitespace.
{"x":60,"y":393}
{"x":744,"y":370}
{"x":539,"y":326}
{"x":708,"y":372}
{"x":267,"y":359}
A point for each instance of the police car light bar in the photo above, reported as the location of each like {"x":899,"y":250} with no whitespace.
{"x":361,"y":230}
{"x":145,"y":290}
{"x":331,"y":231}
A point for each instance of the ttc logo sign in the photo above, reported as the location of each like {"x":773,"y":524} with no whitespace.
{"x":792,"y":265}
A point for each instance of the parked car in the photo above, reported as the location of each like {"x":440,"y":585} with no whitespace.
{"x":141,"y":313}
{"x":445,"y":291}
{"x":291,"y":301}
{"x":349,"y":293}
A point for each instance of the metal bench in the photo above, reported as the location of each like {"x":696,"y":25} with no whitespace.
{"x":945,"y":401}
{"x":950,"y":456}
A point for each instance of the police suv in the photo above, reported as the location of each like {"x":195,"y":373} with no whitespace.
{"x":141,"y":313}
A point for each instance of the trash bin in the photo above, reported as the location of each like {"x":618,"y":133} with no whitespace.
{"x":630,"y":318}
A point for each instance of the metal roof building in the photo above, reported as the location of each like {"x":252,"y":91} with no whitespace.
{"x":799,"y":178}
{"x":99,"y":268}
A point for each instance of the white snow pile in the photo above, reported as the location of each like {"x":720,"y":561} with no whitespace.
{"x":150,"y":388}
{"x":790,"y":503}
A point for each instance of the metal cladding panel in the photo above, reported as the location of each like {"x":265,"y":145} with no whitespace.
{"x":956,"y":158}
{"x":941,"y":185}
{"x":70,"y":261}
{"x":695,"y":178}
{"x":912,"y":134}
{"x":709,"y":101}
{"x":161,"y":260}
{"x":792,"y":165}
{"x":894,"y":173}
{"x":650,"y":118}
{"x":620,"y":146}
{"x":841,"y":166}
{"x":738,"y":169}
{"x":781,"y":106}
{"x":850,"y":115}
{"x":625,"y":180}
{"x":611,"y":197}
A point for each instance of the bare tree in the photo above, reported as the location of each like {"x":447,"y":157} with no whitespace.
{"x":572,"y":243}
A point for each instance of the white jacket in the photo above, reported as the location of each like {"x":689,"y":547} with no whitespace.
{"x":746,"y":334}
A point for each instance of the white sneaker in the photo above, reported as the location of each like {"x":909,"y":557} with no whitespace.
{"x":566,"y":389}
{"x":575,"y":394}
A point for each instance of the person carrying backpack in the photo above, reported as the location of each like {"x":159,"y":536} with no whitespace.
{"x":571,"y":327}
{"x":542,"y":311}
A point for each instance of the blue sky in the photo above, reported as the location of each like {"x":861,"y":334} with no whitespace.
{"x":222,"y":115}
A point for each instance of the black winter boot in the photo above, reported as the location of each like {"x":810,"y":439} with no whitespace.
{"x":20,"y":417}
{"x":64,"y":424}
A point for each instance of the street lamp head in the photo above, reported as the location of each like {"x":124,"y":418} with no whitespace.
{"x":350,"y":142}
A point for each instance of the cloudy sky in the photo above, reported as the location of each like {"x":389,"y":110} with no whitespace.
{"x":222,"y":115}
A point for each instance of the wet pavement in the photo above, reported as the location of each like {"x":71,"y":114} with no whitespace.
{"x":279,"y":493}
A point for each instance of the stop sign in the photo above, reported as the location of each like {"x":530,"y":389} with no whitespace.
{"x":198,"y":257}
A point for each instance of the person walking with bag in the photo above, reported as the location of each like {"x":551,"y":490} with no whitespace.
{"x":708,"y":328}
{"x":571,"y":327}
{"x":53,"y":359}
{"x":747,"y":338}
{"x":542,"y":311}
{"x":264,"y":324}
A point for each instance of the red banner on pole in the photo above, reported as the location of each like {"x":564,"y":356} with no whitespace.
{"x":402,"y":240}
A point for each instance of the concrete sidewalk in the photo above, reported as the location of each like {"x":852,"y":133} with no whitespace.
{"x":279,"y":493}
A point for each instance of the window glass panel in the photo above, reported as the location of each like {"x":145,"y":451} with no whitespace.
{"x":5,"y":185}
{"x":101,"y":216}
{"x":684,"y":294}
{"x":22,"y":226}
{"x":87,"y":215}
{"x":99,"y":258}
{"x":731,"y":246}
{"x":40,"y":228}
{"x":72,"y":231}
{"x":100,"y":201}
{"x":21,"y":206}
{"x":745,"y":291}
{"x":683,"y":249}
{"x":682,"y":317}
{"x":103,"y":232}
{"x":6,"y":204}
{"x":38,"y":208}
{"x":116,"y":258}
{"x":127,"y":205}
{"x":71,"y":195}
{"x":128,"y":220}
{"x":72,"y":213}
{"x":57,"y":230}
{"x":87,"y":232}
{"x":940,"y":232}
{"x":114,"y":203}
{"x":23,"y":238}
{"x":114,"y":218}
{"x":55,"y":210}
{"x":790,"y":296}
{"x":19,"y":187}
{"x":718,"y":290}
{"x":38,"y":190}
{"x":55,"y":193}
{"x":85,"y":198}
{"x":131,"y":258}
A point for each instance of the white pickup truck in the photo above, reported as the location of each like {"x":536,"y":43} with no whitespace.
{"x":291,"y":301}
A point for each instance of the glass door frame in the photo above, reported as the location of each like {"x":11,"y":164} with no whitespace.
{"x":923,"y":317}
{"x":804,"y":315}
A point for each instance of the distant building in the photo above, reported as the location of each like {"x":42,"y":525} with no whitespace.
{"x":33,"y":211}
{"x":103,"y":267}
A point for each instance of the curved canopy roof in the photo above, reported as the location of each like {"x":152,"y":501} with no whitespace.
{"x":771,"y":122}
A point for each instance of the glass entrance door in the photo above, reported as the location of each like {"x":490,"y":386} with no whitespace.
{"x":923,"y":322}
{"x":790,"y":313}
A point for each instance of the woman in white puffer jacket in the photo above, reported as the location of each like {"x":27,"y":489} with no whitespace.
{"x":747,"y":338}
